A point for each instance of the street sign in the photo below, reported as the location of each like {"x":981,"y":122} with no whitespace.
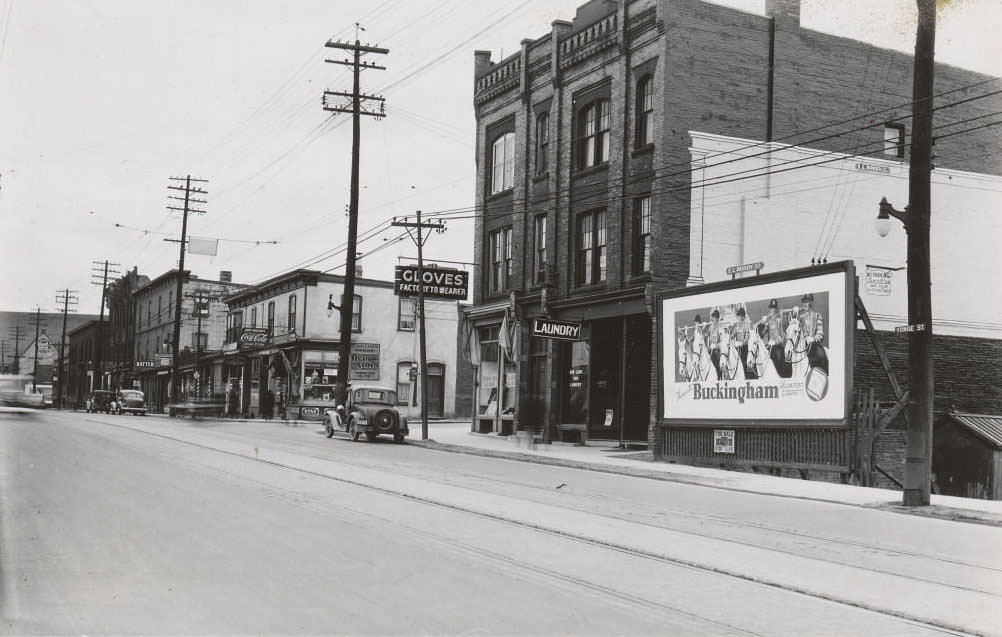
{"x":917,"y":327}
{"x":747,"y":267}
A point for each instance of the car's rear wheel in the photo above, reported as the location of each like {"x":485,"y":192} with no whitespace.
{"x":354,"y":431}
{"x":398,"y":438}
{"x":371,"y":436}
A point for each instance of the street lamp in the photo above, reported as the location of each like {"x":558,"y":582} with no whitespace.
{"x":918,"y":437}
{"x":883,"y":222}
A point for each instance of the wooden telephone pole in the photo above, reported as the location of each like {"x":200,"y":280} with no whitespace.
{"x":37,"y":321}
{"x":101,"y":278}
{"x":420,"y":239}
{"x":355,"y":108}
{"x":66,"y":297}
{"x":189,"y":201}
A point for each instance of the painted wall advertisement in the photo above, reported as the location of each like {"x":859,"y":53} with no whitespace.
{"x":771,"y":351}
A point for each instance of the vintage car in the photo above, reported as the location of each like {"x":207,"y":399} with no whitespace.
{"x":371,"y":411}
{"x":131,"y":401}
{"x":101,"y":400}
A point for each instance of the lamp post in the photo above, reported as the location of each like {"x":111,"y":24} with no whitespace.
{"x":916,"y":220}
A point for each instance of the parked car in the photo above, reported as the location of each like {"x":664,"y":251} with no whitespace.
{"x":371,"y":411}
{"x":101,"y":400}
{"x":13,"y":397}
{"x":131,"y":401}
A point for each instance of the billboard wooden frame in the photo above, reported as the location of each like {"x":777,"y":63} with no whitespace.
{"x":847,"y":330}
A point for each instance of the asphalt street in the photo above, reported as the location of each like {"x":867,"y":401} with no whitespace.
{"x":128,"y":525}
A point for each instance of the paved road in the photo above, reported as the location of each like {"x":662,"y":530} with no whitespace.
{"x":152,"y":525}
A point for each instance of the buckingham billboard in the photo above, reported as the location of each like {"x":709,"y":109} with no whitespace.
{"x":769,"y":350}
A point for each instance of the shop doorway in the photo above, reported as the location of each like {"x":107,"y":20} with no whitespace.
{"x":607,"y":381}
{"x":637,"y":387}
{"x":436,"y":390}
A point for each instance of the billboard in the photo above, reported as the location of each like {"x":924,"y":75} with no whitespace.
{"x":775,"y":349}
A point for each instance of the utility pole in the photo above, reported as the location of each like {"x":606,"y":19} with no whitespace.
{"x":37,"y":322}
{"x":175,"y":377}
{"x":99,"y":278}
{"x":16,"y":335}
{"x":199,"y":298}
{"x":66,"y":297}
{"x":918,"y":437}
{"x":420,"y":239}
{"x":356,"y":110}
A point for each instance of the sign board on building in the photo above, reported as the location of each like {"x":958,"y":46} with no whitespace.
{"x":163,"y":360}
{"x":747,"y":267}
{"x":723,"y":441}
{"x":439,"y":283}
{"x":762,"y":359}
{"x":364,"y":361}
{"x":560,"y":330}
{"x":878,"y":281}
{"x":254,"y":336}
{"x":146,"y":364}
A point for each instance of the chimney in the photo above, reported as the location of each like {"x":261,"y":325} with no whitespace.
{"x":226,"y":276}
{"x":784,"y":11}
{"x":481,"y":63}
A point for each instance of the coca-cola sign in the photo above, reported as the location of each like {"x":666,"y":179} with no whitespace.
{"x":254,"y":336}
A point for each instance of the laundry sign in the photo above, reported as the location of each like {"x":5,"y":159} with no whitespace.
{"x":560,"y":330}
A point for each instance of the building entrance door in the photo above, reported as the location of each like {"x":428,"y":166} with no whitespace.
{"x":606,"y":378}
{"x":436,"y":390}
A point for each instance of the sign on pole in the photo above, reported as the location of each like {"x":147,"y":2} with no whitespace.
{"x":439,"y":283}
{"x":916,"y":327}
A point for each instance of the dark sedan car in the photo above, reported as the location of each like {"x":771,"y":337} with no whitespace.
{"x":131,"y":401}
{"x":100,"y":400}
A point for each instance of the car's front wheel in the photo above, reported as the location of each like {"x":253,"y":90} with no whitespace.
{"x":371,"y":436}
{"x":354,"y":431}
{"x":398,"y":438}
{"x":328,"y":429}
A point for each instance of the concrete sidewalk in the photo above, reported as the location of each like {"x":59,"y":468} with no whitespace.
{"x":607,"y":456}
{"x":455,"y":436}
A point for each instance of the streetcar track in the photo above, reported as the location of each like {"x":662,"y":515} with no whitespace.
{"x":577,"y":537}
{"x":696,"y":517}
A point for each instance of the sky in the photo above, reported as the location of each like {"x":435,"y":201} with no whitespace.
{"x":102,"y":102}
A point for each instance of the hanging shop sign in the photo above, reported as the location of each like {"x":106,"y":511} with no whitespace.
{"x":439,"y":283}
{"x":559,"y":330}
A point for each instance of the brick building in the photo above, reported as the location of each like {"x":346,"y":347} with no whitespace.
{"x":594,"y":142}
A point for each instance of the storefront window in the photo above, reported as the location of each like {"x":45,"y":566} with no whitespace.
{"x":487,"y":400}
{"x":319,"y":375}
{"x":575,"y":389}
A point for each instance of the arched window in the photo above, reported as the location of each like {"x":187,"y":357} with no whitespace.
{"x":503,"y":163}
{"x":593,"y":133}
{"x":645,"y":111}
{"x":404,"y":383}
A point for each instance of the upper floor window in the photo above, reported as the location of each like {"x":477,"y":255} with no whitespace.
{"x":292,"y":313}
{"x":645,"y":111}
{"x":642,"y":235}
{"x":894,"y":139}
{"x":539,"y":247}
{"x":160,"y":308}
{"x":199,"y":340}
{"x":542,"y":144}
{"x":253,"y":317}
{"x":500,"y":261}
{"x":503,"y":163}
{"x":271,"y":317}
{"x":406,"y":314}
{"x":593,"y":133}
{"x":591,"y":256}
{"x":149,"y":311}
{"x":356,"y":314}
